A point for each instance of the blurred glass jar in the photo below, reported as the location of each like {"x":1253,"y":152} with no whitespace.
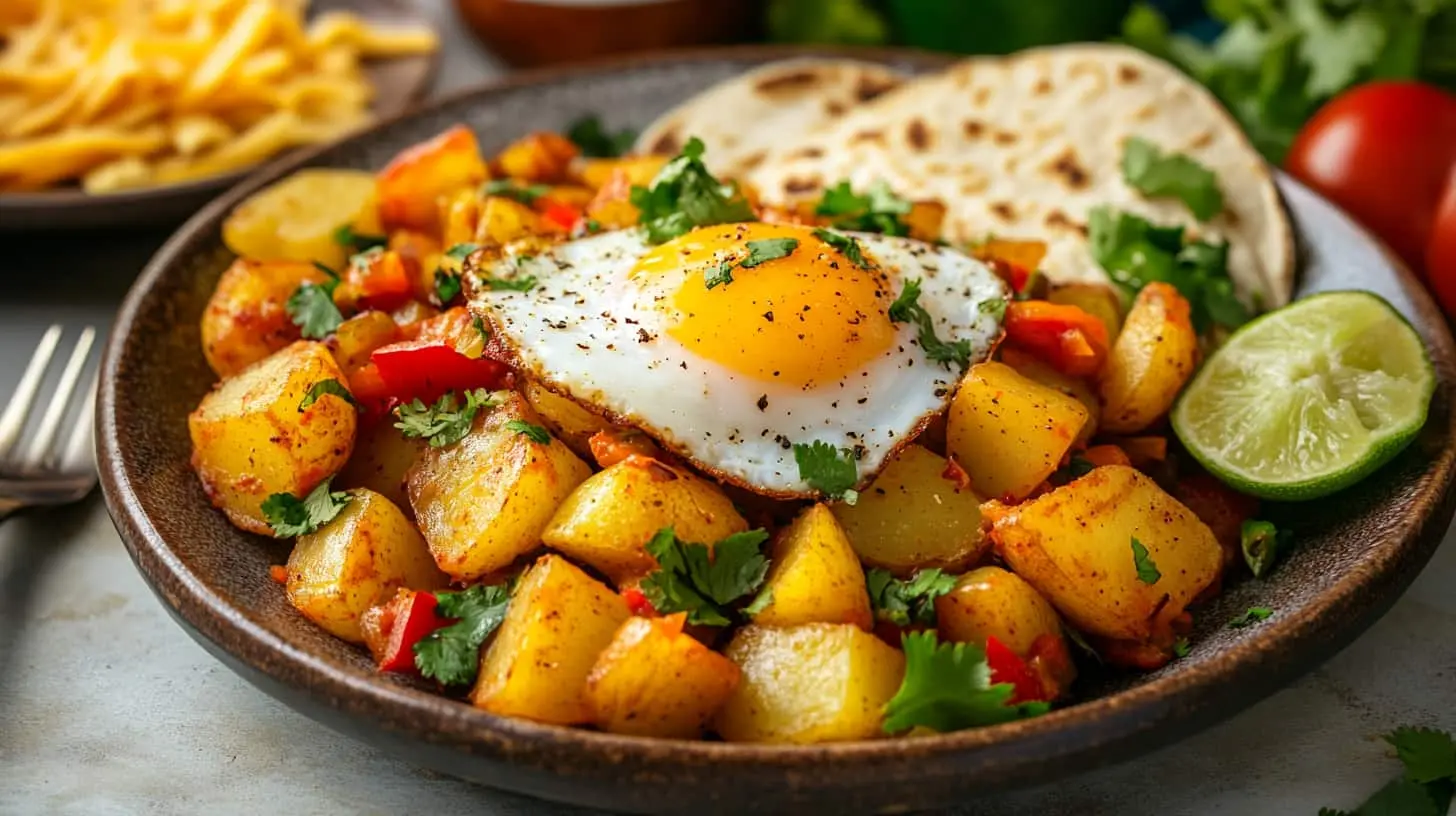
{"x":542,"y":32}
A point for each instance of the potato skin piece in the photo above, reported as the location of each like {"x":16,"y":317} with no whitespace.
{"x":815,"y":575}
{"x":249,"y":440}
{"x":559,"y":621}
{"x":992,"y":602}
{"x":1074,"y":545}
{"x":1010,"y":432}
{"x":816,"y":683}
{"x":1081,"y":390}
{"x":912,"y":517}
{"x":656,"y":681}
{"x":606,"y":521}
{"x":1152,"y":359}
{"x":246,"y":318}
{"x":294,"y":219}
{"x":483,"y":501}
{"x":358,"y":559}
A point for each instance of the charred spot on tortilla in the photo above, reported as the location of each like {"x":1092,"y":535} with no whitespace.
{"x":668,"y":144}
{"x":792,"y":82}
{"x":799,"y":186}
{"x":1067,"y":166}
{"x":810,"y":152}
{"x":835,"y":108}
{"x":1145,"y":112}
{"x":981,"y":96}
{"x":1003,"y":210}
{"x":868,"y":136}
{"x":753,"y":160}
{"x":918,"y":134}
{"x":1202,"y":140}
{"x":974,"y":186}
{"x":973,"y":129}
{"x":1128,"y":74}
{"x":1005,"y":137}
{"x":870,"y":87}
{"x":1230,"y":215}
{"x":1042,"y":87}
{"x":1056,"y":219}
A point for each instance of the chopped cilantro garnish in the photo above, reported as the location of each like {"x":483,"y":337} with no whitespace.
{"x":692,"y":578}
{"x":907,"y":309}
{"x":907,"y":602}
{"x":995,"y":307}
{"x":1428,"y":755}
{"x":291,"y":516}
{"x":346,"y":237}
{"x":847,"y":246}
{"x":761,"y":251}
{"x":312,"y":309}
{"x":535,"y":433}
{"x":363,"y":260}
{"x":1426,"y":787}
{"x":760,"y":602}
{"x":1262,"y":544}
{"x":525,"y":283}
{"x":447,"y":287}
{"x":1251,"y":616}
{"x":329,"y":386}
{"x":505,"y":188}
{"x":832,"y":472}
{"x":326,"y":269}
{"x":444,"y":423}
{"x":461,"y":251}
{"x":1147,"y":571}
{"x":947,"y":687}
{"x":595,"y":141}
{"x":451,"y":654}
{"x":685,"y":195}
{"x":1181,"y":647}
{"x":592,"y":226}
{"x":1154,"y":174}
{"x":878,"y":210}
{"x":1077,"y":467}
{"x":479,"y":326}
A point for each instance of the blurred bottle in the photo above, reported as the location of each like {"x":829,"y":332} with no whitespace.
{"x":542,"y":32}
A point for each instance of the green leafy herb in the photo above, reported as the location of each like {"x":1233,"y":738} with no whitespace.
{"x":592,"y":226}
{"x":326,"y":269}
{"x":907,"y":602}
{"x":596,"y":141}
{"x":761,"y":251}
{"x":1262,"y":544}
{"x":505,"y":188}
{"x":1147,"y":571}
{"x":830,"y":471}
{"x":847,"y":246}
{"x":1077,"y":467}
{"x":685,"y":195}
{"x":312,"y":309}
{"x":363,"y":260}
{"x":1428,"y":755}
{"x":1181,"y":647}
{"x":1426,"y":787}
{"x":444,"y":423}
{"x":845,"y":22}
{"x":451,"y":654}
{"x":291,"y":516}
{"x":947,"y":687}
{"x":692,"y":578}
{"x":346,"y":237}
{"x":535,"y":433}
{"x":1251,"y":616}
{"x":995,"y":307}
{"x":479,"y":326}
{"x":447,"y":287}
{"x":461,"y":251}
{"x":525,"y":283}
{"x":1149,"y":171}
{"x":329,"y":386}
{"x":760,"y":602}
{"x":907,"y":309}
{"x":878,"y":210}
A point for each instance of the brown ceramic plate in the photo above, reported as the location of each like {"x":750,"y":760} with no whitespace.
{"x":398,"y":83}
{"x":1357,"y":551}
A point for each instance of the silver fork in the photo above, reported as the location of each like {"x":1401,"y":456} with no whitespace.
{"x":40,"y":467}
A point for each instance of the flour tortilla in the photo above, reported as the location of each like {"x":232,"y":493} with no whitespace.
{"x":1025,"y":146}
{"x":742,"y":119}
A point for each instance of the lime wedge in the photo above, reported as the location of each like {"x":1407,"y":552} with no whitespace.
{"x":1310,"y":399}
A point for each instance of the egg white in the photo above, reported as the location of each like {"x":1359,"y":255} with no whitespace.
{"x":588,"y":330}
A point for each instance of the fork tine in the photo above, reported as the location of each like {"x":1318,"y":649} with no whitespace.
{"x":18,"y":409}
{"x":80,"y":450}
{"x":45,"y":435}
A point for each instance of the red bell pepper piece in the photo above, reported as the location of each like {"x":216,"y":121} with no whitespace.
{"x":425,"y":369}
{"x":1066,"y":337}
{"x":637,"y":602}
{"x":1007,"y":667}
{"x":380,"y":280}
{"x":414,"y":617}
{"x":561,"y":215}
{"x":370,"y":391}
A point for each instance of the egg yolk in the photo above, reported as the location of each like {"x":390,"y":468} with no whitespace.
{"x":804,"y":319}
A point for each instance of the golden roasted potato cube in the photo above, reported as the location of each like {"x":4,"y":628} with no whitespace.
{"x":567,"y":420}
{"x":357,"y":338}
{"x":250,"y":440}
{"x":357,"y":560}
{"x":541,"y":156}
{"x":1009,"y":432}
{"x":925,"y":220}
{"x":247,"y":318}
{"x":1153,"y":357}
{"x":815,"y":575}
{"x":612,"y":208}
{"x":608,"y":519}
{"x":459,"y":217}
{"x":409,"y":188}
{"x":483,"y":501}
{"x":636,"y":170}
{"x":1082,"y":390}
{"x":503,"y":220}
{"x":382,"y":457}
{"x":913,"y":517}
{"x":816,"y":683}
{"x":572,"y":195}
{"x":991,"y":602}
{"x":1096,"y":299}
{"x":1075,"y":546}
{"x":656,"y":681}
{"x":295,"y":219}
{"x":559,"y":620}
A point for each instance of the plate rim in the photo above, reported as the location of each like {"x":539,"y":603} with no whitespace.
{"x":1076,"y":737}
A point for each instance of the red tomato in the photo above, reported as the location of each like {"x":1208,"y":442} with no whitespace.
{"x":1384,"y":152}
{"x":1441,"y":251}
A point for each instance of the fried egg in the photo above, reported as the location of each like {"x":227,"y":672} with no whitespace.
{"x":798,"y":347}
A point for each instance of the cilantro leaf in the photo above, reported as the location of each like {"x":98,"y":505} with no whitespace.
{"x":444,"y":423}
{"x":878,"y":210}
{"x":759,"y":252}
{"x":1181,"y":647}
{"x":832,"y":472}
{"x":451,"y":654}
{"x":1402,"y":797}
{"x":525,"y":283}
{"x":312,"y":309}
{"x":1147,"y":571}
{"x":850,"y":22}
{"x":479,"y":326}
{"x":326,"y":269}
{"x":1146,"y":169}
{"x":329,"y":386}
{"x":535,"y":433}
{"x":595,"y":141}
{"x":702,"y":582}
{"x":907,"y":309}
{"x":505,"y":188}
{"x":291,"y":516}
{"x":1251,"y":616}
{"x":685,"y":195}
{"x":947,"y":687}
{"x":1262,"y":544}
{"x":1077,"y":467}
{"x":447,"y":287}
{"x":461,"y":251}
{"x":760,"y":602}
{"x":847,"y":246}
{"x":1429,"y":755}
{"x":907,"y":602}
{"x":346,"y":237}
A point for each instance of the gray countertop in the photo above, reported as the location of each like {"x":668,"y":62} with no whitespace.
{"x":107,"y":707}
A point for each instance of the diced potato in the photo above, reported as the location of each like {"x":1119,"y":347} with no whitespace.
{"x":607,"y":520}
{"x":295,"y":219}
{"x":358,"y":337}
{"x":459,"y":217}
{"x":1074,"y":545}
{"x":913,"y":517}
{"x":1099,"y":300}
{"x":567,"y":420}
{"x":816,"y":683}
{"x":612,"y":208}
{"x":409,"y":188}
{"x":815,"y":575}
{"x":1010,"y":432}
{"x":656,"y":681}
{"x":925,"y":220}
{"x":249,"y":440}
{"x":991,"y":602}
{"x":357,"y":560}
{"x":246,"y":318}
{"x":1083,"y":391}
{"x":1153,"y":357}
{"x":559,"y":620}
{"x":637,"y":170}
{"x":483,"y":501}
{"x":573,"y":195}
{"x":382,"y":457}
{"x":542,"y":156}
{"x":503,"y":220}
